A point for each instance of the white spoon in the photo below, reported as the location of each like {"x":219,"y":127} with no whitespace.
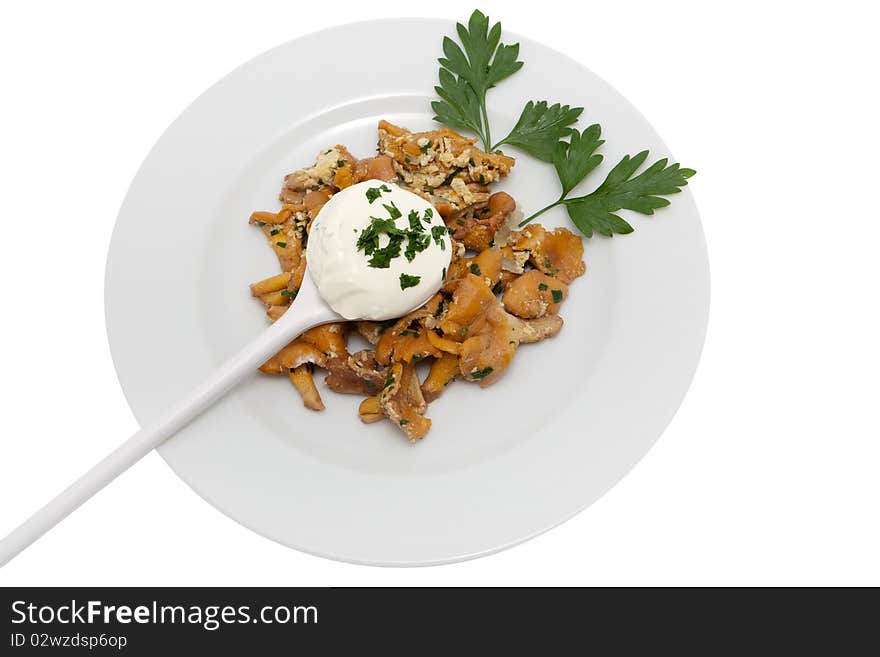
{"x":310,"y":310}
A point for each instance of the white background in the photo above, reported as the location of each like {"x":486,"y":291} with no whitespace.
{"x":770,"y":472}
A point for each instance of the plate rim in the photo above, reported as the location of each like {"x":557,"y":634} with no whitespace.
{"x":703,"y":327}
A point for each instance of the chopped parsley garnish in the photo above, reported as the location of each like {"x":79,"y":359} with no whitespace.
{"x":425,"y":148}
{"x":409,"y":281}
{"x":289,"y":293}
{"x":463,"y":330}
{"x":481,"y":374}
{"x":387,"y":324}
{"x":498,"y":288}
{"x":375,"y":192}
{"x":389,"y":381}
{"x":417,"y":240}
{"x":281,"y":245}
{"x":381,"y":258}
{"x":437,"y":234}
{"x":413,"y":334}
{"x":368,"y":242}
{"x":542,"y":286}
{"x":471,"y":162}
{"x":440,"y":308}
{"x":475,"y":269}
{"x":459,"y":222}
{"x":415,"y":222}
{"x":416,"y":358}
{"x":557,"y":295}
{"x":274,"y":232}
{"x":403,"y":423}
{"x":448,"y":179}
{"x":416,"y":243}
{"x":393,"y":212}
{"x":444,"y":273}
{"x":340,"y":163}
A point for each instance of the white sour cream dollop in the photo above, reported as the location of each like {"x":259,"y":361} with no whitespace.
{"x":342,"y":272}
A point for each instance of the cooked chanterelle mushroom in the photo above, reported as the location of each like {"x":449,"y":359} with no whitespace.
{"x":442,"y":166}
{"x":502,"y":289}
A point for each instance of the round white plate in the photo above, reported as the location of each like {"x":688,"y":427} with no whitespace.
{"x":566,"y":422}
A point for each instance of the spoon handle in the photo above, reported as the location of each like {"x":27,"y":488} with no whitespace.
{"x":310,"y":311}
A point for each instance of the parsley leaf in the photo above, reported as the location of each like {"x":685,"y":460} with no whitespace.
{"x":459,"y":106}
{"x":574,"y":160}
{"x":409,"y":281}
{"x":481,"y":62}
{"x":540,"y":128}
{"x":485,"y":61}
{"x":642,"y":193}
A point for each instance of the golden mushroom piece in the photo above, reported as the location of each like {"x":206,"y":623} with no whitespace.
{"x":502,"y":289}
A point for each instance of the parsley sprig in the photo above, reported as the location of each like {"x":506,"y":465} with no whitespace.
{"x":467,"y":72}
{"x":622,"y":188}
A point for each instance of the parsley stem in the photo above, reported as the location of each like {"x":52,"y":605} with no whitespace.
{"x":487,"y":134}
{"x":541,"y":211}
{"x":498,"y":145}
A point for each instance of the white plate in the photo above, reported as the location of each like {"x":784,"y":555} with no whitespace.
{"x":567,"y":421}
